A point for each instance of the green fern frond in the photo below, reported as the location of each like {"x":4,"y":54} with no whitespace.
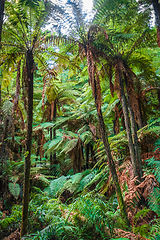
{"x":70,"y":145}
{"x":7,"y":108}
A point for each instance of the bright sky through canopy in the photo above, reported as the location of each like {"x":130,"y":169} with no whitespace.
{"x":87,"y":4}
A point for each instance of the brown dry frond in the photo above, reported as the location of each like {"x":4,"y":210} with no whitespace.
{"x":148,"y":155}
{"x":94,"y":80}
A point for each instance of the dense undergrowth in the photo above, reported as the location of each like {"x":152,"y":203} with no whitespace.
{"x":84,"y":206}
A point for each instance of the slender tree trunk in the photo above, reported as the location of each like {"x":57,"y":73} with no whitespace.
{"x":112,"y":168}
{"x":92,"y":155}
{"x":54,"y":130}
{"x":96,"y":92}
{"x":156,"y":6}
{"x":53,"y":135}
{"x":127,"y":123}
{"x":51,"y":156}
{"x":0,"y":106}
{"x":136,"y":143}
{"x":158,"y":94}
{"x":87,"y":156}
{"x":2,"y":2}
{"x":29,"y":63}
{"x":0,"y":97}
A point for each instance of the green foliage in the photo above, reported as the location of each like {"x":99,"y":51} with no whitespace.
{"x":154,"y":166}
{"x":14,"y":189}
{"x":92,"y":214}
{"x":12,"y":221}
{"x":7,"y":107}
{"x":145,"y":228}
{"x":72,"y":183}
{"x":155,"y":229}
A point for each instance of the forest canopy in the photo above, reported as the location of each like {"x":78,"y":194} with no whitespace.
{"x":79,"y":120}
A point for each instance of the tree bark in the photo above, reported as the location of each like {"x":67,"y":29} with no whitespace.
{"x":87,"y":156}
{"x":127,"y":122}
{"x":156,"y":6}
{"x":135,"y":137}
{"x":2,"y":2}
{"x":0,"y":106}
{"x":158,"y":94}
{"x":112,"y":168}
{"x":54,"y":130}
{"x":29,"y":64}
{"x":53,"y":135}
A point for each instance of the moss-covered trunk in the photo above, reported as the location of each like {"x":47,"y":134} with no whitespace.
{"x":29,"y":64}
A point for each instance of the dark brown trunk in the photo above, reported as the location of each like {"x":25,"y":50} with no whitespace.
{"x":127,"y":123}
{"x":116,"y":120}
{"x":112,"y":168}
{"x":53,"y":135}
{"x":0,"y":107}
{"x":92,"y":155}
{"x":54,"y":130}
{"x":87,"y":156}
{"x":96,"y":92}
{"x":156,"y":6}
{"x":2,"y":2}
{"x":136,"y":143}
{"x":29,"y":64}
{"x":135,"y":137}
{"x":0,"y":97}
{"x":51,"y":156}
{"x":158,"y":94}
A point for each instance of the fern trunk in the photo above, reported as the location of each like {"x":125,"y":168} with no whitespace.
{"x":156,"y":6}
{"x":136,"y":143}
{"x":2,"y":2}
{"x":127,"y":123}
{"x":112,"y":169}
{"x":29,"y":64}
{"x":135,"y":137}
{"x":0,"y":106}
{"x":96,"y":92}
{"x":87,"y":156}
{"x":54,"y":130}
{"x":53,"y":136}
{"x":158,"y":94}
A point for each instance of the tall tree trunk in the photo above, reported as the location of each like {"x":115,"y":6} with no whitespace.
{"x":135,"y":137}
{"x":127,"y":122}
{"x":158,"y":94}
{"x":156,"y":6}
{"x":87,"y":156}
{"x":112,"y":168}
{"x":29,"y":64}
{"x":96,"y":92}
{"x":51,"y":155}
{"x":53,"y":134}
{"x":0,"y":106}
{"x":54,"y":130}
{"x":92,"y":155}
{"x":2,"y":2}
